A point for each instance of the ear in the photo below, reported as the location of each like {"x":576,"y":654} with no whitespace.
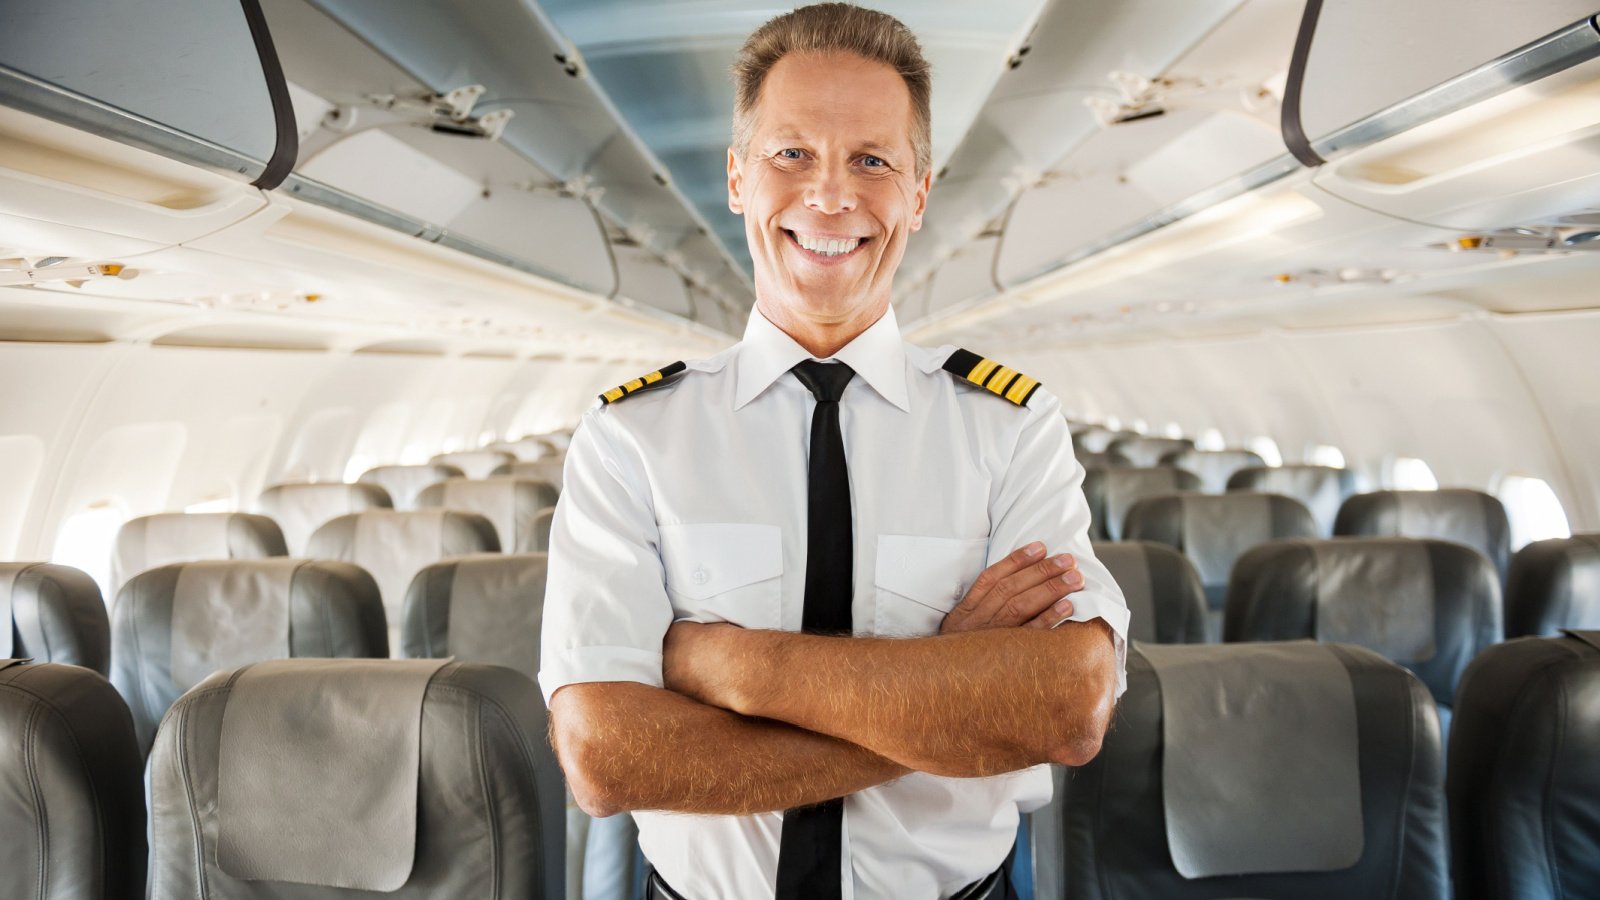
{"x":924,"y":185}
{"x":735,"y":183}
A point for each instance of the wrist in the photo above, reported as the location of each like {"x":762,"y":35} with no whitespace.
{"x":755,"y":670}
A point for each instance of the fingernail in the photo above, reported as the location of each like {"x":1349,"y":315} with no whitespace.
{"x":1063,"y":562}
{"x":1033,"y":550}
{"x":1063,"y":607}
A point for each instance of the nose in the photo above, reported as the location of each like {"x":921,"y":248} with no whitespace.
{"x":831,"y":190}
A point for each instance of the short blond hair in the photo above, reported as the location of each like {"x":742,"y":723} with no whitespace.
{"x":834,"y":28}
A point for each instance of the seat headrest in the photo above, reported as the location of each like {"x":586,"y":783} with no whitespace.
{"x":1166,"y":602}
{"x":511,"y":503}
{"x":71,"y":785}
{"x":1522,"y":784}
{"x":1552,"y":585}
{"x":430,"y":777}
{"x":475,"y":463}
{"x":150,"y":541}
{"x":175,"y":625}
{"x":404,"y":483}
{"x":1451,"y":514}
{"x":547,"y":470}
{"x":53,"y":613}
{"x":1269,"y":796}
{"x":1110,"y":492}
{"x":300,"y":509}
{"x":1213,"y":530}
{"x":483,"y":609}
{"x":1212,"y":467}
{"x":1095,"y":438}
{"x":1428,"y":605}
{"x":1147,"y":451}
{"x":1322,"y":489}
{"x":1104,"y":460}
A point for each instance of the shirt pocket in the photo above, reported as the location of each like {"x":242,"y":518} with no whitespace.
{"x":724,"y":573}
{"x":919,"y":579}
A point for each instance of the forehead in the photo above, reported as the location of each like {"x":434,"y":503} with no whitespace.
{"x":839,"y":96}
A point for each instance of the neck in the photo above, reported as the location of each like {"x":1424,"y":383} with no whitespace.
{"x":821,"y":336}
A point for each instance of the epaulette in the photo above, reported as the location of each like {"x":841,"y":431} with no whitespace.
{"x":659,"y":377}
{"x":1001,"y":380}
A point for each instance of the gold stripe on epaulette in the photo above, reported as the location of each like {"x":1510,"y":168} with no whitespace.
{"x":1002,"y":381}
{"x":640,"y":383}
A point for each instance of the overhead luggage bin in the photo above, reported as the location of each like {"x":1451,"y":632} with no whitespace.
{"x":512,"y":504}
{"x":1554,"y":585}
{"x":300,"y":509}
{"x":150,"y":541}
{"x":1166,"y":602}
{"x":176,"y":625}
{"x":1323,"y":489}
{"x":1462,"y":515}
{"x":404,"y":483}
{"x":51,"y":613}
{"x":71,"y":786}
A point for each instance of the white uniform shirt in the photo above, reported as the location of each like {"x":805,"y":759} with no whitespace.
{"x":688,"y":501}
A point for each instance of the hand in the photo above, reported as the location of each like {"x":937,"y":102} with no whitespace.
{"x":1024,"y":589}
{"x":691,"y":660}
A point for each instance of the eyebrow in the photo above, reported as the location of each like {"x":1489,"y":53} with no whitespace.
{"x":876,"y":147}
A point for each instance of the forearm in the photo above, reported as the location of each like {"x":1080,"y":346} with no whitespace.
{"x":626,"y":746}
{"x":977,"y":703}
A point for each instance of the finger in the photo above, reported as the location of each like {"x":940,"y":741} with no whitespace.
{"x":1013,"y":562}
{"x":1037,"y":599}
{"x":1057,"y":613}
{"x":1004,"y":596}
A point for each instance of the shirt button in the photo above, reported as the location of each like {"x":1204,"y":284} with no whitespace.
{"x":699,"y":575}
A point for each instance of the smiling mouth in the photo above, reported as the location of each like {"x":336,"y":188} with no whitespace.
{"x":826,"y":248}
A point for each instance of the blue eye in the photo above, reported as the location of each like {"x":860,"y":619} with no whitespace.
{"x":791,"y":153}
{"x":873,"y":162}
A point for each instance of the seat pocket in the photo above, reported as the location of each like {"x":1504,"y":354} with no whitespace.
{"x":724,"y":573}
{"x":919,"y":579}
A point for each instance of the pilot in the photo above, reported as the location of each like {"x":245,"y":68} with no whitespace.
{"x":808,"y":612}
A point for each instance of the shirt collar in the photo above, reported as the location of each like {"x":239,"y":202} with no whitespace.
{"x":878,"y":356}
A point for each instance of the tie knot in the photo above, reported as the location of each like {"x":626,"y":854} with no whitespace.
{"x":825,"y":381}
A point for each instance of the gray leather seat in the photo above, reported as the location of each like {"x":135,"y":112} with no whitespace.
{"x":1103,"y":460}
{"x":300,"y":509}
{"x":322,"y":779}
{"x":393,"y":546}
{"x":404,"y":483}
{"x":1451,"y":514}
{"x":1213,"y":467}
{"x":174,"y":626}
{"x":51,"y":613}
{"x":1110,"y":493}
{"x":482,"y":609}
{"x":1553,"y":585}
{"x":1323,"y":489}
{"x":547,"y":470}
{"x":475,"y":463}
{"x":1144,"y":450}
{"x":1163,"y":591}
{"x":1095,"y":438}
{"x":71,"y":787}
{"x":511,"y":503}
{"x":1428,"y":605}
{"x":150,"y":541}
{"x":1523,"y":787}
{"x":1306,"y":771}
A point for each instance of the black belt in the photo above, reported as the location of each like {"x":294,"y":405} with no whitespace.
{"x":996,"y":886}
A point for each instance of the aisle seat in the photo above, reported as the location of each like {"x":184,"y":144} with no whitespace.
{"x":53,"y":613}
{"x":1165,"y":599}
{"x":1298,"y":770}
{"x":300,"y":509}
{"x":71,"y":787}
{"x":1212,"y":467}
{"x":404,"y":483}
{"x":148,"y":542}
{"x":174,"y":626}
{"x":1110,"y":493}
{"x":1144,"y":450}
{"x":324,"y":779}
{"x":1552,"y":585}
{"x":547,"y":470}
{"x":475,"y":463}
{"x":512,"y":504}
{"x":1428,"y":605}
{"x":1452,"y":514}
{"x":1323,"y":489}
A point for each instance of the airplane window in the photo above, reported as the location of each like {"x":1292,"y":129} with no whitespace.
{"x":1267,"y":449}
{"x":1533,"y":508}
{"x":1173,"y":430}
{"x":1210,"y":439}
{"x":1141,"y":426}
{"x":1113,"y":423}
{"x":86,"y":539}
{"x":1408,"y":473}
{"x":1325,"y":455}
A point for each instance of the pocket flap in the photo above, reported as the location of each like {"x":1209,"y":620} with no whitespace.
{"x":933,"y":571}
{"x":705,"y":560}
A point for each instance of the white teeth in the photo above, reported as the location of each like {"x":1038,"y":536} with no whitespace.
{"x":825,"y":247}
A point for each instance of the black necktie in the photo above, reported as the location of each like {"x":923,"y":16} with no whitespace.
{"x":809,"y":867}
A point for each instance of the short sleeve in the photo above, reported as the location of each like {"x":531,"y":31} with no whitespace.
{"x":606,"y":609}
{"x":1041,"y":499}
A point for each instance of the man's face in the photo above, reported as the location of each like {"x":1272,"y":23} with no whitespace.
{"x":828,"y":188}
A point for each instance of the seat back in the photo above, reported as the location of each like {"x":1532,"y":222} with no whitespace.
{"x":394,"y":545}
{"x":1213,"y":530}
{"x":1552,"y":585}
{"x":1323,"y":489}
{"x":150,"y":541}
{"x":175,"y":625}
{"x":527,"y":449}
{"x":1110,"y":492}
{"x":476,"y":463}
{"x":1523,"y":787}
{"x":547,"y":470}
{"x":1144,"y":450}
{"x":1213,"y":467}
{"x":51,"y":613}
{"x":404,"y":483}
{"x":1095,"y":438}
{"x":1451,"y":514}
{"x":511,"y":503}
{"x":1103,"y":460}
{"x":1253,"y":770}
{"x":482,"y":609}
{"x":71,"y":787}
{"x":1428,"y":605}
{"x":321,"y":779}
{"x":1166,"y":603}
{"x":300,"y":509}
